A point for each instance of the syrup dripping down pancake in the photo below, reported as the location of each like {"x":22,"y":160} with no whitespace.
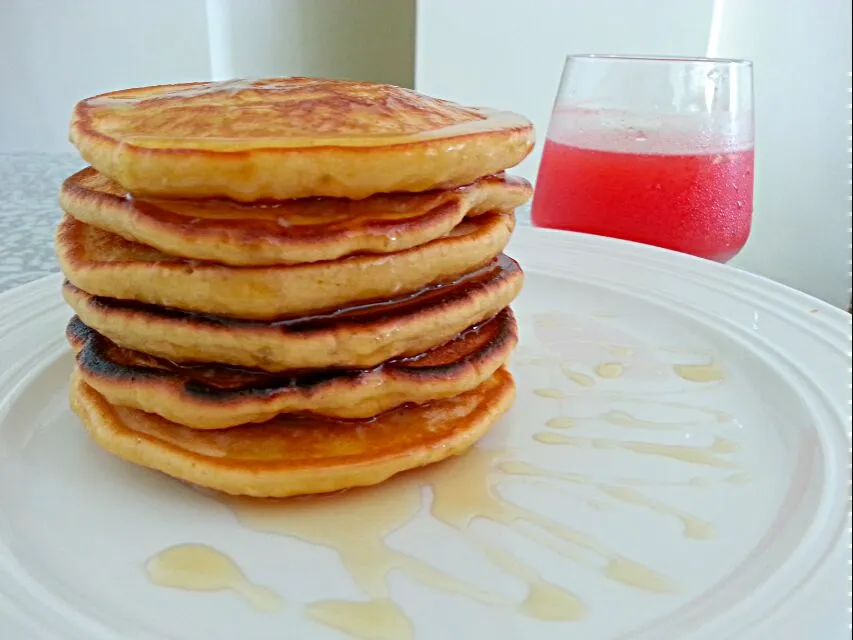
{"x":360,"y":336}
{"x":285,"y":232}
{"x":284,"y":138}
{"x":105,"y":264}
{"x":218,"y":397}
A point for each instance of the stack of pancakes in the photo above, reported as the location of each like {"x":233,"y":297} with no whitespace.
{"x":290,"y":286}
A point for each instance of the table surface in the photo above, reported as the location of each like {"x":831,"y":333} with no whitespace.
{"x":29,"y":212}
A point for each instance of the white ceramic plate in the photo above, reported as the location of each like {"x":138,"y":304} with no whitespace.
{"x":676,"y":466}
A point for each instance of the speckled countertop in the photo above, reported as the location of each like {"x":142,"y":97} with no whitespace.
{"x":29,"y":184}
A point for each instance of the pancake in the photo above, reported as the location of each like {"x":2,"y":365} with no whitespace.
{"x":286,"y":138}
{"x":296,"y":455}
{"x":352,"y":337}
{"x":105,"y":264}
{"x":217,"y":397}
{"x":287,"y":232}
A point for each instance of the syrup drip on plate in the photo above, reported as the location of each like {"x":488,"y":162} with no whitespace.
{"x":197,"y":567}
{"x":708,"y":455}
{"x":694,"y":527}
{"x":355,"y":524}
{"x":711,"y":372}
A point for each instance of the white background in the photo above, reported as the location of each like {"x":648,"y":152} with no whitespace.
{"x":500,"y":53}
{"x":510,"y":55}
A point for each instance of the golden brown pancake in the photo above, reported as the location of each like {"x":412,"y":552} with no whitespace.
{"x":296,"y":455}
{"x":355,"y":337}
{"x":105,"y":264}
{"x":218,"y":397}
{"x":285,"y":232}
{"x":286,"y":138}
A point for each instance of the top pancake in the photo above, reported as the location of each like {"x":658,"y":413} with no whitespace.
{"x":286,"y":138}
{"x":289,"y":231}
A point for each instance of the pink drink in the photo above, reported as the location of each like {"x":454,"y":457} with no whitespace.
{"x":654,"y":190}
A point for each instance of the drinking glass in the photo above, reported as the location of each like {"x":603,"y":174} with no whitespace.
{"x":656,"y":150}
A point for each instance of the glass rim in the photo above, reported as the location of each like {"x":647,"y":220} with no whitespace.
{"x":657,"y":58}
